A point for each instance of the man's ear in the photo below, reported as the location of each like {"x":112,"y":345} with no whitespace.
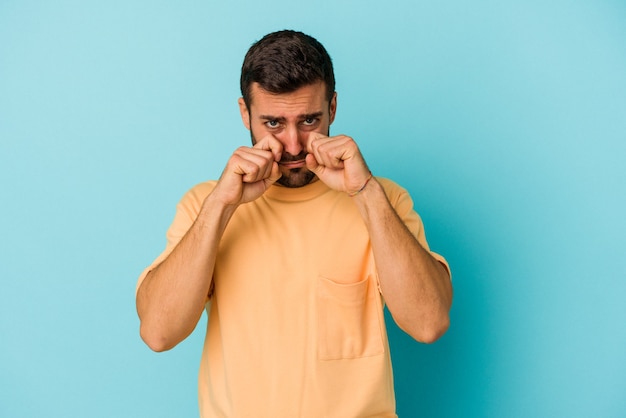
{"x":333,"y":107}
{"x":245,"y":113}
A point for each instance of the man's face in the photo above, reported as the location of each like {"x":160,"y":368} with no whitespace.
{"x":290,"y":118}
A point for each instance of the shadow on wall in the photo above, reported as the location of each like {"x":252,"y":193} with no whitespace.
{"x":451,"y":377}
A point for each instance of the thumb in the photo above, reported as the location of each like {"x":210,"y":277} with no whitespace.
{"x":313,"y":165}
{"x":274,"y":175}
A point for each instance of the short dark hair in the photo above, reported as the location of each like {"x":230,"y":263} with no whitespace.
{"x":284,"y":61}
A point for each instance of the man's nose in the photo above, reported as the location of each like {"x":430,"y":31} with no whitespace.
{"x":294,"y":141}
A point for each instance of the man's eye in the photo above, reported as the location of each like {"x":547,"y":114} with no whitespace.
{"x":309,"y":121}
{"x":272,"y":124}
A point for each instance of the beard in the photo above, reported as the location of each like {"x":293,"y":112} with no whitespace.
{"x":292,"y":177}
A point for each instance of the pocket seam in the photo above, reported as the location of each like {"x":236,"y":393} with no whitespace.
{"x":348,"y":321}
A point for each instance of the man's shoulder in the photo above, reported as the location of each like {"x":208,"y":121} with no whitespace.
{"x":202,"y":189}
{"x":390,"y":186}
{"x":387,"y":183}
{"x":195,"y":196}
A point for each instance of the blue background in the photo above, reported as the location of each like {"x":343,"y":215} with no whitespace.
{"x":505,"y":120}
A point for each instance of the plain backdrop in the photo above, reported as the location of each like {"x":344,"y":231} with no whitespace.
{"x":505,"y":120}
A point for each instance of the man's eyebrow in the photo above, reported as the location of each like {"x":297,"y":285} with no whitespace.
{"x":282,"y":119}
{"x":312,"y":115}
{"x":270,"y":117}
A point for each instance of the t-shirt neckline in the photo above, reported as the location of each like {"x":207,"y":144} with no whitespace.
{"x":295,"y":194}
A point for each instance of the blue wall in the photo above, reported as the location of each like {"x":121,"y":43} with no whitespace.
{"x":505,"y":120}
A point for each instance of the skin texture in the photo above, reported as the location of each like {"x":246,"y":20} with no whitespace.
{"x":291,"y":146}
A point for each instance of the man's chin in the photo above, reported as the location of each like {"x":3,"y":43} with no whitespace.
{"x":296,"y":177}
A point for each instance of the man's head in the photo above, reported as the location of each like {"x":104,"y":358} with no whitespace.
{"x":288,"y":89}
{"x":284,"y":61}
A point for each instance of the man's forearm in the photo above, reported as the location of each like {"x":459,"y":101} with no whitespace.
{"x":171,"y":298}
{"x":416,"y":287}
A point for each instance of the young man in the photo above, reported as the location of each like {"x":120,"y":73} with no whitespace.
{"x":293,"y":252}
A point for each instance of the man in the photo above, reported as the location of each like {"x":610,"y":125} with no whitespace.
{"x":293,"y":252}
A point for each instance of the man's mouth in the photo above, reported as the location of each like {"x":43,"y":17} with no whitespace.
{"x":292,"y":164}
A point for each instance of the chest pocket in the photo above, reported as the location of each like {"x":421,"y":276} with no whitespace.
{"x":348,"y":319}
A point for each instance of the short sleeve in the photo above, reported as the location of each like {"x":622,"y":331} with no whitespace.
{"x":403,"y":205}
{"x":186,"y":213}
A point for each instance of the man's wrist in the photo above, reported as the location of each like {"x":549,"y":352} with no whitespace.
{"x":371,"y":199}
{"x":214,"y":210}
{"x":354,"y":193}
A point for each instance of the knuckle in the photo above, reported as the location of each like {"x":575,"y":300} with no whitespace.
{"x":253,"y":169}
{"x":239,"y":152}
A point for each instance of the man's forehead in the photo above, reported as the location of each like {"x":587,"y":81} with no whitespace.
{"x":311,"y":94}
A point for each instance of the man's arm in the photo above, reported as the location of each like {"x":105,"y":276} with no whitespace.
{"x":171,"y":298}
{"x":416,"y":287}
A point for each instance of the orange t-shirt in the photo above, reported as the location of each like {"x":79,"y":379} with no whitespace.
{"x":295,"y":321}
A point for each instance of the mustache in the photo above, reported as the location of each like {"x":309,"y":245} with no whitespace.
{"x":287,"y":157}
